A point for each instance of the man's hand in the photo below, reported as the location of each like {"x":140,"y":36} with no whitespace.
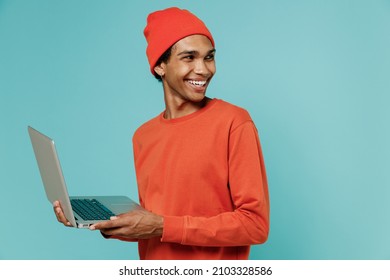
{"x":136,"y":224}
{"x":60,"y":214}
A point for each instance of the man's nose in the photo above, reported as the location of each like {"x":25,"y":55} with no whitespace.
{"x":201,"y":68}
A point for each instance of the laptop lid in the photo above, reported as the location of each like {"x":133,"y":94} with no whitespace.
{"x":51,"y":173}
{"x":55,"y":187}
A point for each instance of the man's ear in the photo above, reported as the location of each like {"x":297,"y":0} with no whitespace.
{"x":159,"y":69}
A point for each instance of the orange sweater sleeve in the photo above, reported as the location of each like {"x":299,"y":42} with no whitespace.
{"x":249,"y":222}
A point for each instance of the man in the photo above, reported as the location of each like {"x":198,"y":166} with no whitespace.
{"x":199,"y":166}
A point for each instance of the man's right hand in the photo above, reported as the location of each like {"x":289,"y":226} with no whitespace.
{"x":60,"y":214}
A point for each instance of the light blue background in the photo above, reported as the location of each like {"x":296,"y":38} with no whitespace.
{"x":313,"y":74}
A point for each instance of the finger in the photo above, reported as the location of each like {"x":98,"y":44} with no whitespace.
{"x":60,"y":214}
{"x":111,"y":231}
{"x":62,"y":218}
{"x":57,"y":210}
{"x":104,"y":225}
{"x":117,"y":230}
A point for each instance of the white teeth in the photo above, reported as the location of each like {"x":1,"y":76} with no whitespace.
{"x":197,"y":83}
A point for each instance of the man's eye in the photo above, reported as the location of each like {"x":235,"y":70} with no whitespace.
{"x":210,"y":57}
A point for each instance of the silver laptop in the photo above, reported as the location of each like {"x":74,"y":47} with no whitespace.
{"x":81,"y":211}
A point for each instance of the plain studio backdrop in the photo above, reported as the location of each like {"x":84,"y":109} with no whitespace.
{"x":314,"y":76}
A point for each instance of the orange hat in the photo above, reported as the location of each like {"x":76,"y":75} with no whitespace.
{"x":164,"y":28}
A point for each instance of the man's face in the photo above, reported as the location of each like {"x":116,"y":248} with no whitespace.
{"x":189,"y":69}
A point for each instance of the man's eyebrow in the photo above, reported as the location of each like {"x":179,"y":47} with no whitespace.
{"x":188,"y":52}
{"x":193,"y":52}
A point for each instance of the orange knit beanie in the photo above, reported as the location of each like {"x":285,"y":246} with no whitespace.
{"x":165,"y":27}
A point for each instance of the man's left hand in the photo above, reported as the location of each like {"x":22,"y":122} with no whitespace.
{"x":136,"y":224}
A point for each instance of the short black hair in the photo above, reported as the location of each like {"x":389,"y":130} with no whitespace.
{"x":163,"y":58}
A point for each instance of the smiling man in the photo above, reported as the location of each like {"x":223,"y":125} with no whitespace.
{"x":186,"y":77}
{"x":199,"y":165}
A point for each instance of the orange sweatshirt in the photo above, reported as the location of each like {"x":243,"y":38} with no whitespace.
{"x":205,"y":174}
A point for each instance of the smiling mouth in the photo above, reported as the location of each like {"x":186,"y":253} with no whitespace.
{"x":199,"y":84}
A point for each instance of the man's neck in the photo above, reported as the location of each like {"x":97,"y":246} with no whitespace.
{"x":176,"y":108}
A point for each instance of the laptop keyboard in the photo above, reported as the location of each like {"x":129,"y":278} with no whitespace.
{"x":90,"y":209}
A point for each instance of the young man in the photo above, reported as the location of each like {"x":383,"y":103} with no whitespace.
{"x":199,"y":165}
